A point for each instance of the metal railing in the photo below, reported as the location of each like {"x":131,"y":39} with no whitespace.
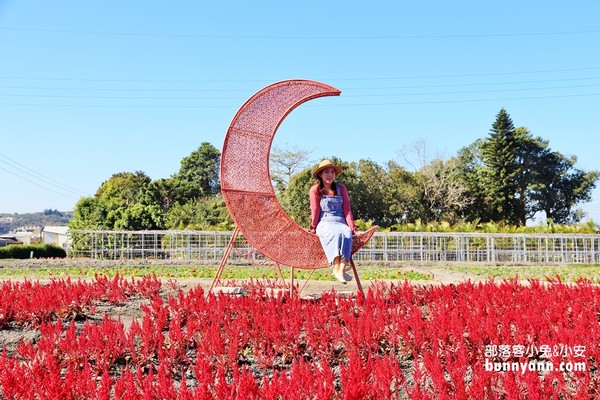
{"x":209,"y":246}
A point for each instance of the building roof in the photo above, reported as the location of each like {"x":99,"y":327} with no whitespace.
{"x":62,"y":230}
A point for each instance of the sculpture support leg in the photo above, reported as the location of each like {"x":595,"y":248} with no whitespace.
{"x":292,"y":287}
{"x":224,"y":259}
{"x":280,"y":273}
{"x":306,"y":281}
{"x":358,"y":284}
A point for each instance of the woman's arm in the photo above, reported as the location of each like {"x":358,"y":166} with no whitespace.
{"x":347,"y":209}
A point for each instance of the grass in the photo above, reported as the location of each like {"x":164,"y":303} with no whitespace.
{"x":566,"y":273}
{"x":208,"y":272}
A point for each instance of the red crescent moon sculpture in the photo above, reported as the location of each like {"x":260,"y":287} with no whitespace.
{"x":246,"y":182}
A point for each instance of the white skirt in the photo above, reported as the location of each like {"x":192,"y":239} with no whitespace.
{"x":335,"y":237}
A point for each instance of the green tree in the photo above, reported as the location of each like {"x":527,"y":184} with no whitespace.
{"x":119,"y":205}
{"x":530,"y":157}
{"x":350,"y":177}
{"x":513,"y":175}
{"x":201,"y":168}
{"x":368,"y":196}
{"x":499,"y":154}
{"x":378,"y":195}
{"x":132,"y":201}
{"x":90,"y":213}
{"x":123,"y":188}
{"x":165,"y":193}
{"x":139,"y":217}
{"x":295,"y":200}
{"x":473,"y":173}
{"x":121,"y":196}
{"x":207,"y":213}
{"x":560,"y":187}
{"x":402,"y":195}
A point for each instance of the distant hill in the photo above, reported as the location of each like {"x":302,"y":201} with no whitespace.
{"x":9,"y":222}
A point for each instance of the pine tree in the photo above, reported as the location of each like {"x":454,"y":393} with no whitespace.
{"x":500,"y":156}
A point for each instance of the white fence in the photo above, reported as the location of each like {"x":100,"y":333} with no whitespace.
{"x":209,"y":246}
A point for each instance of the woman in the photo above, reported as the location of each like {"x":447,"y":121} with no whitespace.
{"x":331,"y":217}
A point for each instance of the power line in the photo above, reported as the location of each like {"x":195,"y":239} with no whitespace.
{"x":303,"y":37}
{"x":112,"y":105}
{"x":129,"y":92}
{"x":36,"y":175}
{"x":37,"y":184}
{"x":125,"y":89}
{"x":349,"y":95}
{"x":474,"y":91}
{"x":501,"y":73}
{"x":51,"y":96}
{"x":80,"y":89}
{"x":473,"y":84}
{"x":463,"y":101}
{"x":346,"y":104}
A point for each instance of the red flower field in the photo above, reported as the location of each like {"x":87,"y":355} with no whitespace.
{"x":487,"y":340}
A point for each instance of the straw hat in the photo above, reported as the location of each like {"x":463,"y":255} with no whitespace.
{"x":326,"y":164}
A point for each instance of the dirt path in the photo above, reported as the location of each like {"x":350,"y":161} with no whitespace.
{"x":440,"y":276}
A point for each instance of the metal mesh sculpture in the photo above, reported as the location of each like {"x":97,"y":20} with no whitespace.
{"x":246,"y":183}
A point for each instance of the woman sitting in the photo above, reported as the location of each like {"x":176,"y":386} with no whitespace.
{"x":331,"y":218}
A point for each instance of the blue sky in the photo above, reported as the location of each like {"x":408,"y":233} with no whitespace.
{"x":89,"y":89}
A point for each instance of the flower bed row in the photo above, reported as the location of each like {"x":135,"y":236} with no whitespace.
{"x":490,"y":340}
{"x":31,"y":303}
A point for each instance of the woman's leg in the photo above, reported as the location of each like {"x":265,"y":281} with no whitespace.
{"x":345,"y":266}
{"x":338,"y":269}
{"x":336,"y":239}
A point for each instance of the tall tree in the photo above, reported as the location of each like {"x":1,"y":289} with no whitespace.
{"x":207,"y":213}
{"x":167,"y":192}
{"x":90,"y":213}
{"x":123,"y":188}
{"x":368,"y":196}
{"x":118,"y":204}
{"x":560,"y":187}
{"x":513,"y":176}
{"x":499,"y":154}
{"x":201,"y":168}
{"x":530,"y":157}
{"x":295,"y":200}
{"x":473,"y":173}
{"x":402,"y":195}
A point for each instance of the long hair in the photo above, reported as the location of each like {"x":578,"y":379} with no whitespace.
{"x":322,"y":187}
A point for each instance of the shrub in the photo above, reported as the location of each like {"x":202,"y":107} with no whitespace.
{"x":38,"y":250}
